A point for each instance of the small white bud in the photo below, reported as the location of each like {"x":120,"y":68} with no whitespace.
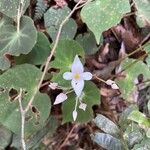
{"x":74,"y":114}
{"x":110,"y":82}
{"x":83,"y":106}
{"x":114,"y":86}
{"x":53,"y":86}
{"x":60,"y":98}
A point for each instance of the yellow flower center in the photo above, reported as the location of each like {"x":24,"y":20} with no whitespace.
{"x":77,"y":76}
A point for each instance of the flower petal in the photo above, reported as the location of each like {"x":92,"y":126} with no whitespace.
{"x":74,"y":114}
{"x":68,"y":75}
{"x":77,"y":66}
{"x":60,"y":98}
{"x":87,"y":76}
{"x":78,"y":86}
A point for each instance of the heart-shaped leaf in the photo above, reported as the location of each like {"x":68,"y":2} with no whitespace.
{"x":88,"y":42}
{"x":99,"y":15}
{"x":26,"y":77}
{"x":39,"y":52}
{"x":16,"y":43}
{"x":53,"y":18}
{"x":10,"y":7}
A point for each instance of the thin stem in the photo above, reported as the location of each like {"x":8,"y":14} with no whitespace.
{"x":75,"y":108}
{"x":51,"y":54}
{"x":18,"y":20}
{"x":19,"y":14}
{"x":71,"y":90}
{"x":22,"y":120}
{"x":135,"y":51}
{"x":128,"y":66}
{"x":68,"y":136}
{"x":84,"y":3}
{"x":99,"y":79}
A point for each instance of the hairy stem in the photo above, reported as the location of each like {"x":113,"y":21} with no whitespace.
{"x":22,"y":120}
{"x":19,"y":14}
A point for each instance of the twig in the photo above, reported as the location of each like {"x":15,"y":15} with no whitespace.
{"x":84,"y":3}
{"x":68,"y":136}
{"x":145,"y":39}
{"x":22,"y":120}
{"x":99,"y":79}
{"x":52,"y":53}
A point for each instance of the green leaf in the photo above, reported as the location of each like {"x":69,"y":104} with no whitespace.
{"x":54,"y":17}
{"x":68,"y":31}
{"x":143,"y":12}
{"x":10,"y":7}
{"x":26,"y":77}
{"x":107,"y":141}
{"x":100,"y":15}
{"x":139,"y":117}
{"x":144,"y":145}
{"x":123,"y":119}
{"x":16,"y":43}
{"x":39,"y":52}
{"x":134,"y":137}
{"x":147,"y":48}
{"x":64,"y":56}
{"x":5,"y":137}
{"x":148,"y":104}
{"x":106,"y":125}
{"x":88,"y":42}
{"x":91,"y":97}
{"x":148,"y":133}
{"x":148,"y":60}
{"x":48,"y":129}
{"x":131,"y":73}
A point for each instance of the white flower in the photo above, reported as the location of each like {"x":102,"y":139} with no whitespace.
{"x":77,"y":75}
{"x":60,"y":98}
